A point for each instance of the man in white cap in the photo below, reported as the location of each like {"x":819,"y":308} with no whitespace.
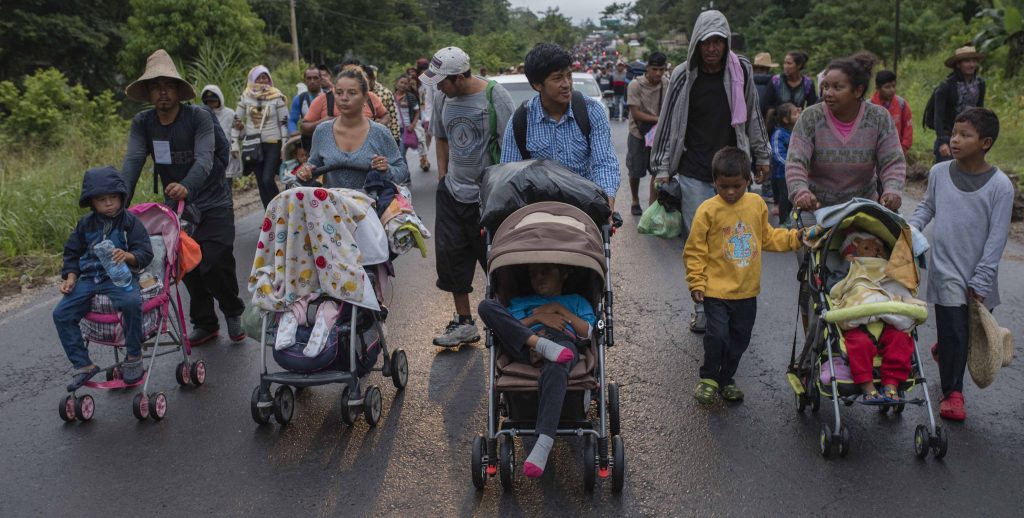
{"x":190,"y":153}
{"x":468,"y":122}
{"x":711,"y":103}
{"x":962,"y":89}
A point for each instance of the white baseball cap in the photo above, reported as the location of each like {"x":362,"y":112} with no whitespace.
{"x":712,"y":34}
{"x":448,"y":61}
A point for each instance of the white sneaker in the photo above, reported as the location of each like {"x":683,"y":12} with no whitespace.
{"x":456,"y":334}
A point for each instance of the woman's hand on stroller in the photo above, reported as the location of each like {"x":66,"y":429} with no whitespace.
{"x":379,"y":163}
{"x":891,"y":201}
{"x":806,"y":200}
{"x":305,"y":173}
{"x":697,"y":296}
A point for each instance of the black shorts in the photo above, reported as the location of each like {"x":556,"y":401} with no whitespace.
{"x":459,"y":243}
{"x":638,"y":157}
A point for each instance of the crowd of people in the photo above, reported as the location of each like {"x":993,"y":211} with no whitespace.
{"x":713,"y":124}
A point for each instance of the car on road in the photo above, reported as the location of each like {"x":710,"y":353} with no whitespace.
{"x":521,"y":91}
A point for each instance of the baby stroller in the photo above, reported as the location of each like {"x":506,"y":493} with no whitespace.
{"x":321,"y":267}
{"x":162,"y":315}
{"x":820,"y":369}
{"x":559,"y":233}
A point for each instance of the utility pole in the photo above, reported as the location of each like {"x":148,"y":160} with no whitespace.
{"x":295,"y":32}
{"x":896,"y":51}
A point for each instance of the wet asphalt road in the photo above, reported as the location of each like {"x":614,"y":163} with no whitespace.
{"x":756,"y":458}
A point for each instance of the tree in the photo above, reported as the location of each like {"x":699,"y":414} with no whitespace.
{"x":1003,"y":26}
{"x":75,"y":36}
{"x":555,"y":27}
{"x":181,"y":27}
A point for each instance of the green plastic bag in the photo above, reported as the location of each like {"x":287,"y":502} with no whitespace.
{"x":656,"y":221}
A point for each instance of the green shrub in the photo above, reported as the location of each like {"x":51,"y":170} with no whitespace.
{"x":45,"y":109}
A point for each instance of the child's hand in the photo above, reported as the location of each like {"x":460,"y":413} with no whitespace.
{"x":551,"y":320}
{"x":69,"y":283}
{"x":697,"y":296}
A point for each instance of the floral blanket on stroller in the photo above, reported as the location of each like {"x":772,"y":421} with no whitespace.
{"x":308,"y":244}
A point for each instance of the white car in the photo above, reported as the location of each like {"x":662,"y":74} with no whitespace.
{"x":521,"y":91}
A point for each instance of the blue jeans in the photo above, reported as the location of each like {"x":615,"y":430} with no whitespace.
{"x":694,"y":193}
{"x":75,"y":305}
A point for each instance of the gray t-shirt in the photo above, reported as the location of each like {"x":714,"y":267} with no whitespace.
{"x":959,"y":259}
{"x":969,"y":182}
{"x":463,"y":122}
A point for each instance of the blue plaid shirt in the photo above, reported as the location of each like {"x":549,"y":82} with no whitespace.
{"x":563,"y":141}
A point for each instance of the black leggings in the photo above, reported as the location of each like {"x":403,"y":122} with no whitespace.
{"x":266,"y":172}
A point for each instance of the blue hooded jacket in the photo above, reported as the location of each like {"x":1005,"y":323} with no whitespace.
{"x":124,"y":229}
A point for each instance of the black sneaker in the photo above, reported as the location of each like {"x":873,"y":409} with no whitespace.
{"x":200,"y":336}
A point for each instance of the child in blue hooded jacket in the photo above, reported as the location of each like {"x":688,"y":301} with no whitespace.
{"x":105,"y":192}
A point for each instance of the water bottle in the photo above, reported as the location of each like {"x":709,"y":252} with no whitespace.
{"x":118,"y":272}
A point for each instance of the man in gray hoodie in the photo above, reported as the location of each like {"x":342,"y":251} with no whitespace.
{"x":712,"y":103}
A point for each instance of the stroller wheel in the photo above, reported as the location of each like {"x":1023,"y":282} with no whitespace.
{"x":260,"y":415}
{"x":507,"y":463}
{"x":940,"y":443}
{"x":66,"y":410}
{"x":140,"y":407}
{"x":399,"y":369}
{"x":815,"y":396}
{"x":614,"y":423}
{"x":198,"y":373}
{"x":284,"y":404}
{"x":898,"y":409}
{"x":921,"y":442}
{"x":157,"y":406}
{"x":348,"y":413}
{"x":825,"y":440}
{"x":183,"y":374}
{"x":372,"y":405}
{"x":589,"y":462}
{"x":844,"y":440}
{"x":801,"y":402}
{"x":85,"y":408}
{"x":618,"y":464}
{"x":476,"y":462}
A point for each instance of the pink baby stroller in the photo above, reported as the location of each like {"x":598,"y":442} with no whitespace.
{"x":161,"y":315}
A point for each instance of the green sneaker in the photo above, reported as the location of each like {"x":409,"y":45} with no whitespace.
{"x":706,"y":391}
{"x":732,"y":393}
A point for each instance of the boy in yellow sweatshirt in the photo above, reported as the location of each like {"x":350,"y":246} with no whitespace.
{"x":723,"y":269}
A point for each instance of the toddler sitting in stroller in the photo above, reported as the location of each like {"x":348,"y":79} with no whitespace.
{"x":85,"y":275}
{"x":547,"y":323}
{"x":886,"y":334}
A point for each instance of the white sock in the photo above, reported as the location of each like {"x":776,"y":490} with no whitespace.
{"x":551,"y":351}
{"x":539,"y":454}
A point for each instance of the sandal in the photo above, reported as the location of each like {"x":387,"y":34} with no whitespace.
{"x":706,"y":391}
{"x":83,"y":375}
{"x":891,"y":394}
{"x":874,"y":398}
{"x":732,"y":393}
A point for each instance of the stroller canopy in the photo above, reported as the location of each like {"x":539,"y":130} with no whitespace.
{"x":509,"y":187}
{"x":548,"y":232}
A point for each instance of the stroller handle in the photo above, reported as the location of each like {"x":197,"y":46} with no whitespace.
{"x":357,"y":166}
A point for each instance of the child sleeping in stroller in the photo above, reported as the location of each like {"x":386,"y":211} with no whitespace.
{"x":886,"y":334}
{"x":547,"y":324}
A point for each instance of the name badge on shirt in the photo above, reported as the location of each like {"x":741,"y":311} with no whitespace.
{"x":162,"y":152}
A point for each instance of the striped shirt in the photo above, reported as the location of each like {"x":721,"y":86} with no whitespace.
{"x":563,"y":141}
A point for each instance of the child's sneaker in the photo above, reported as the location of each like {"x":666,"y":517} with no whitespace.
{"x":952,"y":407}
{"x":81,"y":376}
{"x":235,"y":331}
{"x":706,"y":391}
{"x":732,"y":393}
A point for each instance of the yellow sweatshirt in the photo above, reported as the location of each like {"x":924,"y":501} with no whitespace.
{"x":723,"y":253}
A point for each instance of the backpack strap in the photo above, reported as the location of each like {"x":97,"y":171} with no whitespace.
{"x":579,"y":112}
{"x":519,"y":130}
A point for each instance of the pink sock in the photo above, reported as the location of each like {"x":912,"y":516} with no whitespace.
{"x":565,"y":356}
{"x":532,"y":471}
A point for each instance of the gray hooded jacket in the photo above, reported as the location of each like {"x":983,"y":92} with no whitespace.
{"x":669,"y":138}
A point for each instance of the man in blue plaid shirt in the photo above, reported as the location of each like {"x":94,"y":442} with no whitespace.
{"x":552,"y":131}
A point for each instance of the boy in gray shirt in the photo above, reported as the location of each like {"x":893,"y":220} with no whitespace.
{"x":965,"y":193}
{"x":469,"y":122}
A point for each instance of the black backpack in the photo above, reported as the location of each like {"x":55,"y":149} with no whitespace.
{"x":579,"y":112}
{"x":928,"y":119}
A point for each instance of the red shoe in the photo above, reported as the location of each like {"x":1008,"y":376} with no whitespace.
{"x":935,"y":352}
{"x":952,"y":407}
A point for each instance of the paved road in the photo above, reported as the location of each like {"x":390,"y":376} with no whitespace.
{"x":208,"y":457}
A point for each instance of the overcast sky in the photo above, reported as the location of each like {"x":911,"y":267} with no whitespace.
{"x":579,"y":10}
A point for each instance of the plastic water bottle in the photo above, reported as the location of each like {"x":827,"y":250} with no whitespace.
{"x":118,"y":272}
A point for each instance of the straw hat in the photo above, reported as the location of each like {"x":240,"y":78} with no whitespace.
{"x":764,"y":59}
{"x":962,"y":53}
{"x":159,"y":64}
{"x":990,"y":347}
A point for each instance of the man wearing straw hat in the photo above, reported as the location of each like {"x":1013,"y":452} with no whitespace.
{"x":763,"y":66}
{"x":962,"y":89}
{"x":190,"y":153}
